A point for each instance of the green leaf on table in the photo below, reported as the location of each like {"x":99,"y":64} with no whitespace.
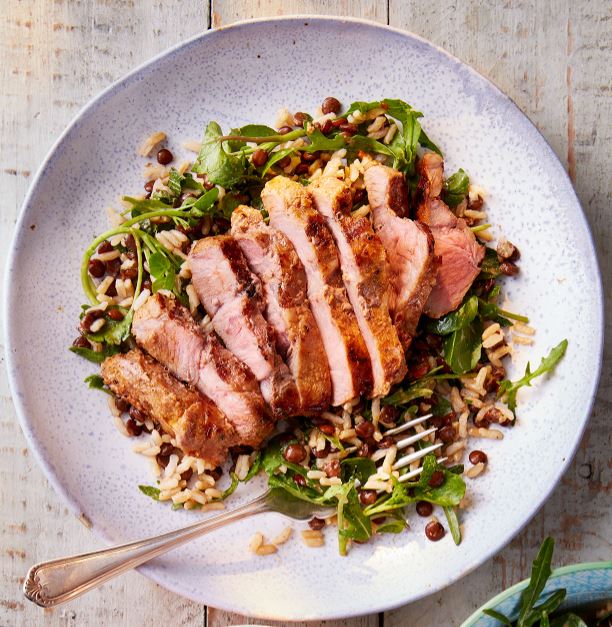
{"x":455,"y":188}
{"x":395,"y":525}
{"x":318,"y":141}
{"x":96,"y":382}
{"x":353,"y":524}
{"x":548,"y":606}
{"x":508,"y":389}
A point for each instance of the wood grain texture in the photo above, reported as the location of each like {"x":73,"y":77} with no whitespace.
{"x":551,"y":57}
{"x":56,"y":55}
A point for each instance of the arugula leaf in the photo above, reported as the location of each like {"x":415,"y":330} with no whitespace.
{"x":360,"y":468}
{"x":395,"y":525}
{"x":175,"y":182}
{"x":427,"y":143}
{"x":229,"y":202}
{"x":114,"y":331}
{"x":222,"y":168}
{"x":275,"y":157}
{"x":509,"y":389}
{"x":149,"y":490}
{"x":144,"y":205}
{"x":540,"y":572}
{"x":449,"y":494}
{"x":548,"y":606}
{"x":462,"y":348}
{"x":442,"y":407}
{"x":96,"y":382}
{"x":318,"y":141}
{"x":204,"y":205}
{"x":456,"y":188}
{"x":453,"y":524}
{"x":361,"y":106}
{"x":404,"y":396}
{"x":570,"y":620}
{"x":255,"y":467}
{"x":489,"y":268}
{"x":369,"y":144}
{"x":232,"y":487}
{"x":353,"y":524}
{"x":455,"y":319}
{"x":305,"y":493}
{"x":498,"y":616}
{"x":92,"y":355}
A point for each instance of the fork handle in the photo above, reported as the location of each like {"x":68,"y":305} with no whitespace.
{"x":51,"y":583}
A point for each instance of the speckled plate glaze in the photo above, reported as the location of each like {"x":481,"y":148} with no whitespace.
{"x":242,"y":74}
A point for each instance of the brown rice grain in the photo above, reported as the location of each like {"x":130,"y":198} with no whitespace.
{"x":519,"y":339}
{"x":455,"y":447}
{"x":474,"y":471}
{"x":121,"y":426}
{"x":520,"y":327}
{"x":283,"y":536}
{"x":266,"y":549}
{"x":493,"y":340}
{"x":151,"y":142}
{"x":256,"y":542}
{"x":481,"y":432}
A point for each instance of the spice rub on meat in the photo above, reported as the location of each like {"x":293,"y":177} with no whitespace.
{"x":291,"y":211}
{"x":365,"y":274}
{"x":409,"y":246}
{"x":232,"y":296}
{"x":196,"y":423}
{"x":166,"y":330}
{"x":272,"y":258}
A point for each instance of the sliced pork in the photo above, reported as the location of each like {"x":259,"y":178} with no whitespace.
{"x":290,"y":208}
{"x":166,"y":330}
{"x":409,"y":246}
{"x":455,"y":245}
{"x":366,"y":277}
{"x":198,"y":425}
{"x":232,"y":296}
{"x":272,"y":257}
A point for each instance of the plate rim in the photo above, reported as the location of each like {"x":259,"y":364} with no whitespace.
{"x":98,"y":100}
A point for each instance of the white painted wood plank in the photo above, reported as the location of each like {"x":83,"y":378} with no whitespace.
{"x":56,"y":55}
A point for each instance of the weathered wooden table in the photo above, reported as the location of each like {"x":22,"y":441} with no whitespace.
{"x":553,"y":58}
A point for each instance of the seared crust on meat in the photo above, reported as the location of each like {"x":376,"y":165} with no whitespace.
{"x":166,"y":330}
{"x":198,"y":425}
{"x":366,"y":277}
{"x":456,"y":246}
{"x":290,"y":208}
{"x":272,"y":257}
{"x":409,"y":246}
{"x":232,"y":295}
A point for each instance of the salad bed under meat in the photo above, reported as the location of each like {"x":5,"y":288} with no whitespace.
{"x":290,"y":299}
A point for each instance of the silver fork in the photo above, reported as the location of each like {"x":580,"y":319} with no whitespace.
{"x":51,"y":583}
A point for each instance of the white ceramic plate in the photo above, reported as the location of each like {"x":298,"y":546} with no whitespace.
{"x":242,"y":74}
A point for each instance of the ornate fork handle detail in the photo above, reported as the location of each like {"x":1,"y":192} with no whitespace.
{"x":51,"y":583}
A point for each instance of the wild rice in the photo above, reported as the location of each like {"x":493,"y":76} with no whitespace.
{"x":315,"y":474}
{"x":283,"y":536}
{"x":481,"y":432}
{"x":312,"y":538}
{"x":194,"y":301}
{"x":490,"y":330}
{"x":213,"y":493}
{"x":151,"y":142}
{"x":388,"y":138}
{"x":455,"y":447}
{"x":519,"y":339}
{"x":256,"y":541}
{"x":104,"y":284}
{"x":266,"y":549}
{"x":327,"y":481}
{"x":121,"y":426}
{"x":389,"y":459}
{"x":474,"y":215}
{"x":140,"y":301}
{"x":520,"y":327}
{"x":493,"y":340}
{"x":363,"y":211}
{"x":474,"y":471}
{"x":378,"y":123}
{"x":193,"y":145}
{"x":154,"y":171}
{"x":463,"y":418}
{"x":113,"y":406}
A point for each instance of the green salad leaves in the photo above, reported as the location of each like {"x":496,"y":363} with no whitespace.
{"x":509,"y":389}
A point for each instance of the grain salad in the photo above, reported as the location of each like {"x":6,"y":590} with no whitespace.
{"x":283,"y":300}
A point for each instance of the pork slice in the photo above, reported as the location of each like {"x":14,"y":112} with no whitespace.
{"x":455,"y":244}
{"x":290,"y":208}
{"x":166,"y":330}
{"x":409,"y":246}
{"x":365,"y":274}
{"x":197,"y":424}
{"x":232,"y":296}
{"x":272,"y":257}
